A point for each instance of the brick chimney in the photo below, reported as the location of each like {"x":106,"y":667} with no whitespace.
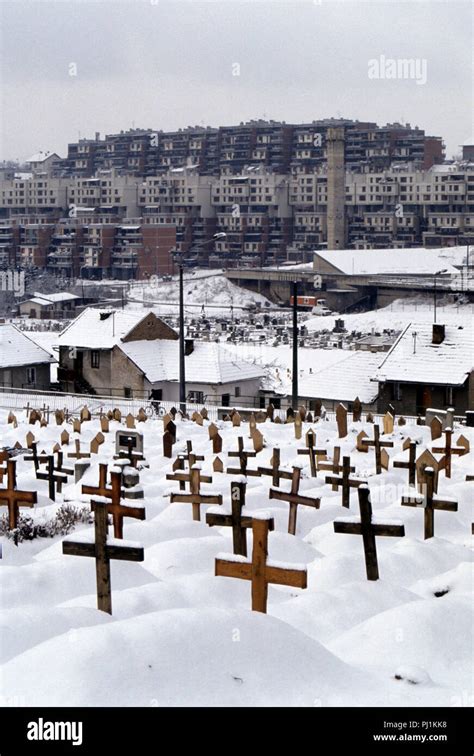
{"x":438,"y":333}
{"x":188,"y":346}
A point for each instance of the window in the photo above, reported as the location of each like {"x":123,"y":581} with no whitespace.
{"x":95,"y":359}
{"x":127,"y":392}
{"x":237,"y":391}
{"x":448,"y":399}
{"x":396,"y":392}
{"x":31,"y":375}
{"x":196,"y":397}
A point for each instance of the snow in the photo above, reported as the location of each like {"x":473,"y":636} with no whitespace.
{"x":179,"y":636}
{"x":16,"y":348}
{"x":414,"y":358}
{"x":90,"y":331}
{"x":385,"y":261}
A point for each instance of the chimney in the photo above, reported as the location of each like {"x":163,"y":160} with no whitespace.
{"x":438,"y":333}
{"x":188,"y":347}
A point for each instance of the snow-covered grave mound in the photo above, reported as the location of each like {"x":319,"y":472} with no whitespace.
{"x":179,"y":635}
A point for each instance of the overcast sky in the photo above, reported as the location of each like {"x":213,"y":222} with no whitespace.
{"x":171,"y":63}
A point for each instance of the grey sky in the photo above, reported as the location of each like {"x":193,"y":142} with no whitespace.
{"x":171,"y":63}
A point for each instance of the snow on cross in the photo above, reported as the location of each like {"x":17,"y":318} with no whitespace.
{"x":258,"y":571}
{"x":13,"y":498}
{"x":294,"y":498}
{"x":368,"y":530}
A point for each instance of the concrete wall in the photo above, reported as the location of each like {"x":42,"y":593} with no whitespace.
{"x":16,"y":377}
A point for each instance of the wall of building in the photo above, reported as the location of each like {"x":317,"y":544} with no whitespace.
{"x":462,"y":399}
{"x":249,"y":391}
{"x":17,"y":377}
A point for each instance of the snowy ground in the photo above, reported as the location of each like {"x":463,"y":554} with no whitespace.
{"x":180,"y":636}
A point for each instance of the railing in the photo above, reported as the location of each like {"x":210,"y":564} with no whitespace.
{"x":18,"y":400}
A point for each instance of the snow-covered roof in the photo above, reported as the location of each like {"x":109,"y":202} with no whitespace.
{"x":209,"y":362}
{"x":40,"y":157}
{"x":418,"y":360}
{"x":60,"y":296}
{"x":409,"y":260}
{"x":91,"y":331}
{"x":16,"y":348}
{"x":342,"y":381}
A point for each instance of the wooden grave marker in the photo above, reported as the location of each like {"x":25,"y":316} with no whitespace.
{"x":212,"y":429}
{"x":425,"y":460}
{"x":85,"y":414}
{"x":78,"y":454}
{"x":341,"y":420}
{"x":258,"y":571}
{"x":274,"y":469}
{"x":448,"y":450}
{"x":298,"y":426}
{"x":36,"y":458}
{"x":436,"y":428}
{"x":236,"y":419}
{"x":429,"y":502}
{"x":218,"y":465}
{"x":410,"y":464}
{"x":368,"y":530}
{"x":257,"y":440}
{"x":294,"y":498}
{"x":270,"y":411}
{"x":356,"y":410}
{"x":130,"y":421}
{"x":359,"y":445}
{"x":345,"y":481}
{"x":234,"y":519}
{"x":243,"y":457}
{"x":168,"y":441}
{"x":216,"y":443}
{"x":55,"y":479}
{"x":114,"y":493}
{"x":196,"y":498}
{"x":312,"y":452}
{"x":378,"y":446}
{"x":64,"y":439}
{"x":388,"y":423}
{"x":142,"y":417}
{"x":13,"y":498}
{"x":103,"y":553}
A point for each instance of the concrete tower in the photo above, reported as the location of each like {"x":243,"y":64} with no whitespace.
{"x":336,"y":221}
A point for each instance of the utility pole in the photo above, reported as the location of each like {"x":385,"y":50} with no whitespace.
{"x":182,"y":348}
{"x":294,"y":398}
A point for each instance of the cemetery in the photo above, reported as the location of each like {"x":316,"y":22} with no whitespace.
{"x":217,"y":567}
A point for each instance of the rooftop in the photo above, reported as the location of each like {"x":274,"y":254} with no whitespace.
{"x":100,"y":328}
{"x":208,"y":363}
{"x":408,"y":260}
{"x":16,"y":348}
{"x":415,"y":359}
{"x":342,"y":381}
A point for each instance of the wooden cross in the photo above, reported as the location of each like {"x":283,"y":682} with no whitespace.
{"x":196,"y":498}
{"x":293,"y":497}
{"x":101,"y":489}
{"x":185,"y":477}
{"x":429,"y":502}
{"x":312,"y":452}
{"x":258,"y":571}
{"x":12,"y":498}
{"x":234,"y":520}
{"x":448,"y":450}
{"x":368,"y":530}
{"x":35,"y":457}
{"x":334,"y":466}
{"x":274,"y":470}
{"x":243,"y":457}
{"x":190,"y":456}
{"x":345,"y":481}
{"x":410,"y":465}
{"x":103,"y":553}
{"x":55,"y":479}
{"x":378,"y":445}
{"x":59,"y":464}
{"x":78,"y":454}
{"x":115,"y":507}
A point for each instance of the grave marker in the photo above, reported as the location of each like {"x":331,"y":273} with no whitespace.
{"x":294,"y":498}
{"x":356,"y":410}
{"x":378,"y":446}
{"x":274,"y":470}
{"x":345,"y":481}
{"x":429,"y":502}
{"x":410,"y":465}
{"x":195,"y":497}
{"x":258,"y":571}
{"x":103,"y":553}
{"x":12,"y":498}
{"x":234,"y":520}
{"x":341,"y":419}
{"x":368,"y":530}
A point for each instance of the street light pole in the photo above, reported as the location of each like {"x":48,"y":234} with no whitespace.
{"x":182,"y":346}
{"x":434,"y":295}
{"x":294,"y":399}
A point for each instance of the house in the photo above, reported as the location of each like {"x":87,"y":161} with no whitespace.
{"x":342,"y":381}
{"x":124,"y":353}
{"x":213,"y":374}
{"x":23,"y":363}
{"x":59,"y":305}
{"x":430,"y":365}
{"x":42,"y":161}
